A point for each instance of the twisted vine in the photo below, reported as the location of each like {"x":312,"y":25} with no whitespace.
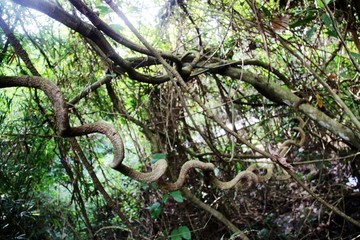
{"x":284,"y":148}
{"x":243,"y":180}
{"x":286,"y":145}
{"x":300,"y":128}
{"x":268,"y":168}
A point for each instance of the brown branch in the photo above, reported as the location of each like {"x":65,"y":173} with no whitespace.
{"x":265,"y":86}
{"x":63,"y":126}
{"x":101,"y":25}
{"x":79,"y":153}
{"x":75,"y":185}
{"x":279,"y":94}
{"x":90,"y":89}
{"x":218,"y":215}
{"x":183,"y":6}
{"x":87,"y":30}
{"x":18,"y":48}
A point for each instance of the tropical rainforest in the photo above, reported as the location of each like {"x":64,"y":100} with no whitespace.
{"x":179,"y":119}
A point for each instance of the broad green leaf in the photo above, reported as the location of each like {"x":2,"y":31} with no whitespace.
{"x":155,"y":209}
{"x":310,"y":32}
{"x":263,"y":233}
{"x":355,"y":55}
{"x":326,"y":19}
{"x":320,"y":3}
{"x":238,"y":166}
{"x":184,"y":232}
{"x":157,"y":156}
{"x":175,"y":235}
{"x":144,"y":186}
{"x":103,"y":9}
{"x":116,"y":27}
{"x":177,"y":196}
{"x":165,"y":198}
{"x":154,"y":186}
{"x":327,"y":164}
{"x":328,"y":23}
{"x":266,"y":11}
{"x":131,"y":103}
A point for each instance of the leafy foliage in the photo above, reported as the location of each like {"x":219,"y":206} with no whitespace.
{"x":305,"y":53}
{"x":182,"y":232}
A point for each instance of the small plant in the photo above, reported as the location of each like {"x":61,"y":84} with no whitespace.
{"x":182,"y":232}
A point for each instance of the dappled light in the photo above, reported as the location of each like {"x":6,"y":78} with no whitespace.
{"x":179,"y":119}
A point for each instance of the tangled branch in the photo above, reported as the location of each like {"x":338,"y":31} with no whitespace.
{"x":280,"y":156}
{"x":242,"y":181}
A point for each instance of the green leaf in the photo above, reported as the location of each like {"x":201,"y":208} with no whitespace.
{"x":155,"y":209}
{"x":311,"y":32}
{"x":355,"y":55}
{"x":177,"y":196}
{"x":266,"y":11}
{"x":144,"y":186}
{"x":157,"y":156}
{"x":103,"y":9}
{"x":327,"y":21}
{"x":116,"y":27}
{"x":327,"y":164}
{"x":154,"y":185}
{"x":131,"y":103}
{"x":304,"y":21}
{"x":165,"y":198}
{"x":175,"y":235}
{"x":184,"y":231}
{"x":320,"y":3}
{"x":238,"y":166}
{"x":263,"y":233}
